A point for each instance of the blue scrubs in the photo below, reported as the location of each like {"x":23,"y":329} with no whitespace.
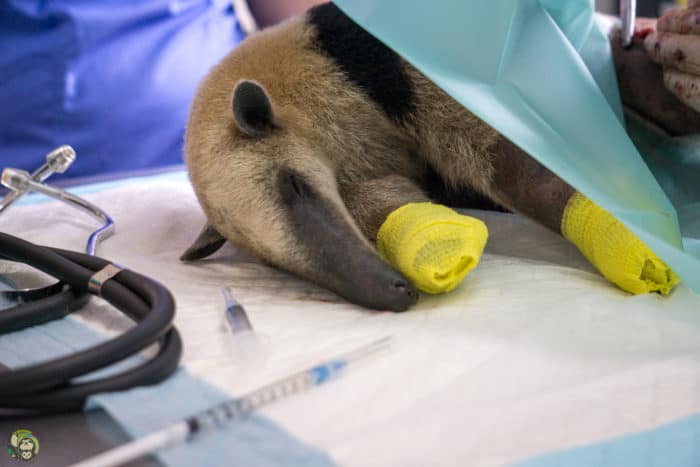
{"x":112,"y":78}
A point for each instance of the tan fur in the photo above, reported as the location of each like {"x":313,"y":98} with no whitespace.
{"x":331,"y":132}
{"x":372,"y":201}
{"x":457,"y":143}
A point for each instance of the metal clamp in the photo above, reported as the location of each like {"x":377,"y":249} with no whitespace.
{"x":100,"y":277}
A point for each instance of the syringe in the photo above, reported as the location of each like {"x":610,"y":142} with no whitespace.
{"x":233,"y":409}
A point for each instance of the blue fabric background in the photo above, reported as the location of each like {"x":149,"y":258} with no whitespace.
{"x":113,"y":78}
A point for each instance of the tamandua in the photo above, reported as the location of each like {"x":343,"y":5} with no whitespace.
{"x":306,"y":138}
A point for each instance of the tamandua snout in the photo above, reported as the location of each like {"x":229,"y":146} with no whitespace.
{"x":308,"y":135}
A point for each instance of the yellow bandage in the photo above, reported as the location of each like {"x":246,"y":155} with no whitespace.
{"x":614,"y":250}
{"x":432,"y":245}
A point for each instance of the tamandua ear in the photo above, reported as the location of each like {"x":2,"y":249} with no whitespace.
{"x":207,"y":243}
{"x":252,"y":109}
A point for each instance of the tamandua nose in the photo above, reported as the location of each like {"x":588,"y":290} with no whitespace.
{"x":403,"y":287}
{"x":402,"y":296}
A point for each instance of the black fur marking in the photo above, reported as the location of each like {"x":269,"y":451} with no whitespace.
{"x":366,"y":61}
{"x":465,"y":197}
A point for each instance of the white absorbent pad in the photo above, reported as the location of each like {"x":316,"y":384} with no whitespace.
{"x":535,"y":355}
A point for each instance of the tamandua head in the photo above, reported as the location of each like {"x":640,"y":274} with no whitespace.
{"x":276,"y":138}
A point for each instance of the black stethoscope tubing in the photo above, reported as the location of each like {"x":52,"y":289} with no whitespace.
{"x":47,"y":386}
{"x":42,"y":311}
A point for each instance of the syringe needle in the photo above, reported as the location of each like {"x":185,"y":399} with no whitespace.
{"x":234,"y":409}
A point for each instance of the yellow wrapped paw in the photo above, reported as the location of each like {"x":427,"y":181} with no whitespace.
{"x":432,"y":245}
{"x":614,"y":250}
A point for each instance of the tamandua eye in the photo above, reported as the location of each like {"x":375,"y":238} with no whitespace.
{"x":296,"y":186}
{"x":293,"y":187}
